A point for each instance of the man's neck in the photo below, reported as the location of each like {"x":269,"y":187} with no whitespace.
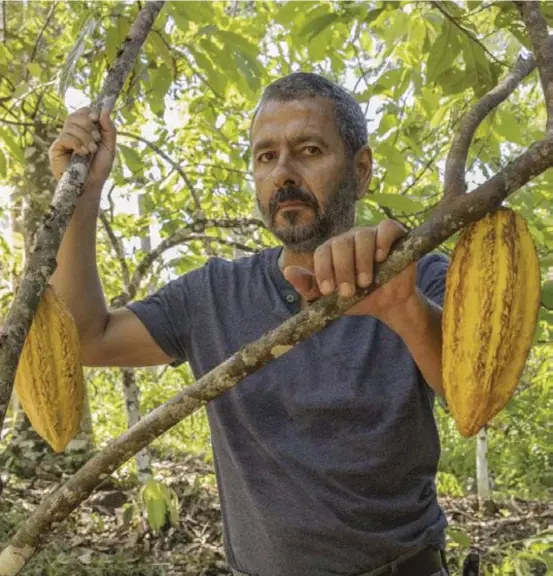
{"x":288,"y":258}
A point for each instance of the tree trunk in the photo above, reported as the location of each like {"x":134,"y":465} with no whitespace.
{"x":130,"y":386}
{"x":132,"y":403}
{"x":485,"y":502}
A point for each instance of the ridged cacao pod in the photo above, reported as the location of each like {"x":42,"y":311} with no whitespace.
{"x":490,"y":312}
{"x":49,"y":380}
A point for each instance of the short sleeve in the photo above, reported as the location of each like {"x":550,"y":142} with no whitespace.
{"x":431,"y":276}
{"x":168,"y":313}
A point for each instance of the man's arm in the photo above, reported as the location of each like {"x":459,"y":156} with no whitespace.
{"x":107,"y":338}
{"x":418,"y":322}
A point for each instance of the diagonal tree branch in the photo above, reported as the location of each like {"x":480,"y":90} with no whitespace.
{"x":42,"y":261}
{"x":542,"y":46}
{"x":454,"y":182}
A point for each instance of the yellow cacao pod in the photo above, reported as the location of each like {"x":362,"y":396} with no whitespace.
{"x":490,"y":312}
{"x":49,"y":379}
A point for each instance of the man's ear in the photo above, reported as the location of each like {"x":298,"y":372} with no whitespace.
{"x":363,"y":170}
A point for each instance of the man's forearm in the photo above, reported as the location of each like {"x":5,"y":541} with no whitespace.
{"x":419,"y":324}
{"x":76,"y":277}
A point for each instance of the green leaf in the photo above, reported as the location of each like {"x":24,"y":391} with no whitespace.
{"x":317,"y":25}
{"x":34,"y":69}
{"x":217,"y":80}
{"x":547,"y":295}
{"x":7,"y":137}
{"x":161,"y":49}
{"x":249,"y":69}
{"x":236,"y":40}
{"x":156,"y":513}
{"x":132,"y":158}
{"x":397,"y":202}
{"x":20,"y":89}
{"x":459,"y":537}
{"x":507,"y":126}
{"x":198,"y":12}
{"x":5,"y":55}
{"x":477,"y":62}
{"x":287,"y":12}
{"x":317,"y":46}
{"x":3,"y":165}
{"x":443,"y":52}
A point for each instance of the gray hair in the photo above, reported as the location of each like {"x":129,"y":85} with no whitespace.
{"x":350,"y":121}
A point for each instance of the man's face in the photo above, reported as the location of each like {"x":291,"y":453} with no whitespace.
{"x":305,"y":184}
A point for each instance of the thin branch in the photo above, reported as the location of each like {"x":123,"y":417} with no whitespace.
{"x":477,"y":11}
{"x":421,"y":172}
{"x":221,"y":167}
{"x":117,"y":248}
{"x":454,"y":183}
{"x":179,"y":237}
{"x":12,"y":123}
{"x":542,"y":46}
{"x":467,"y":32}
{"x":168,"y":159}
{"x":40,"y":34}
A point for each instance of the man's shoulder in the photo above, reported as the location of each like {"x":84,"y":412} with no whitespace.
{"x":242,"y":265}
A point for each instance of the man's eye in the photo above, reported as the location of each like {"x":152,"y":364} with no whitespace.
{"x":312,"y":150}
{"x":266,"y":156}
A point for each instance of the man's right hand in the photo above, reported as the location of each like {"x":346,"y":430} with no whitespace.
{"x":80,"y":135}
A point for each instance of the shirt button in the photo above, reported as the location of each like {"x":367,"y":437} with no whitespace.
{"x":290,"y":298}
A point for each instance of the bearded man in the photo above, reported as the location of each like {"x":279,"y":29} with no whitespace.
{"x":325,"y":458}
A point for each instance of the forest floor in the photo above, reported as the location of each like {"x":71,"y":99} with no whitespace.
{"x":108,"y":535}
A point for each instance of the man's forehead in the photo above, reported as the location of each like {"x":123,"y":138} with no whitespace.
{"x":277,"y":118}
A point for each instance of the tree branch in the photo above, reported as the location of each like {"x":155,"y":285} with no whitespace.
{"x":542,"y":46}
{"x":40,"y":34}
{"x":448,"y":218}
{"x":454,"y":182}
{"x":167,"y":158}
{"x":42,"y":260}
{"x":179,"y":237}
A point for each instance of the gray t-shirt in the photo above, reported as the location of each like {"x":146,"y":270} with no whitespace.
{"x":325,"y":458}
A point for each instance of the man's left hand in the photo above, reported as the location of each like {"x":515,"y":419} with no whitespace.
{"x":345,"y":262}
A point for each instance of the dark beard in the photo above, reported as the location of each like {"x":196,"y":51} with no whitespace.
{"x":336,"y":217}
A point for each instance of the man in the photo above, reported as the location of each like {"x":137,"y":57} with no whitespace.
{"x":325,"y":458}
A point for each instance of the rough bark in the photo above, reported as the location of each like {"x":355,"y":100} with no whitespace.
{"x":42,"y":262}
{"x":454,"y":180}
{"x":536,"y":25}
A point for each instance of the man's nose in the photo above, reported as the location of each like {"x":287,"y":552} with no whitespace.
{"x":285,"y":175}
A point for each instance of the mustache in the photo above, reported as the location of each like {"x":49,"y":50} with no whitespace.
{"x":292,"y":194}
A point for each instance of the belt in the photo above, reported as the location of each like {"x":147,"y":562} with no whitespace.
{"x":425,"y":562}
